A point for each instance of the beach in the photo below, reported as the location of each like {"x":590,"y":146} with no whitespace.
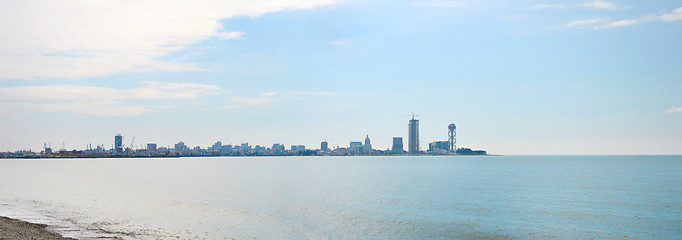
{"x":15,"y":229}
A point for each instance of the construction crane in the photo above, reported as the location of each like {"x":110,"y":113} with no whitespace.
{"x":131,"y":144}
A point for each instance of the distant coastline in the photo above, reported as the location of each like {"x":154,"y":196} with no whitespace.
{"x":180,"y":156}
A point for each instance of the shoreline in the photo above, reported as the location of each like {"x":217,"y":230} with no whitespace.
{"x":16,"y":229}
{"x":213,"y":156}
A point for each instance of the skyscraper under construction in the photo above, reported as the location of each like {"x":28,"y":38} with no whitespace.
{"x":413,"y":136}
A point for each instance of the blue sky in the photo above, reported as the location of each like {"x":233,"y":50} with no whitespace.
{"x":517,"y":77}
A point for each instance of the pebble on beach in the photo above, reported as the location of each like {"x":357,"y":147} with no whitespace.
{"x":14,"y":229}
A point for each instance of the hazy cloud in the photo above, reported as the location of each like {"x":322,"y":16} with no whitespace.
{"x":676,"y":15}
{"x":543,"y":6}
{"x":440,"y":3}
{"x":98,"y":100}
{"x":601,"y":5}
{"x":340,"y":41}
{"x":272,"y":97}
{"x":674,"y":110}
{"x":577,"y":23}
{"x":621,"y":23}
{"x":244,"y":102}
{"x":77,"y":39}
{"x":316,"y":93}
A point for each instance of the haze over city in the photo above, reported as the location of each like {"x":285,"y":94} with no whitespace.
{"x":529,"y":77}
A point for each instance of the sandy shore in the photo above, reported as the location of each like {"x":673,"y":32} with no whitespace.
{"x":11,"y":229}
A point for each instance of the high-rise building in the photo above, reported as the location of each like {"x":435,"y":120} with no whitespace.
{"x":151,"y":147}
{"x":324,"y":146}
{"x":277,"y":148}
{"x":180,"y":147}
{"x":397,"y":145}
{"x":295,"y":148}
{"x":246,"y":147}
{"x":118,"y":143}
{"x":413,"y":136}
{"x":356,"y":148}
{"x":368,"y":146}
{"x":217,"y":146}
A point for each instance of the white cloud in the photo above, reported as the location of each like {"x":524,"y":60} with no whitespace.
{"x":316,"y":93}
{"x":102,"y":101}
{"x":601,"y":5}
{"x":676,"y":15}
{"x":583,"y":22}
{"x":77,"y":39}
{"x":621,"y":23}
{"x":340,"y":41}
{"x":229,"y":35}
{"x":543,"y":6}
{"x":105,"y":101}
{"x":244,"y":102}
{"x":272,"y":97}
{"x":440,"y":3}
{"x":674,"y":110}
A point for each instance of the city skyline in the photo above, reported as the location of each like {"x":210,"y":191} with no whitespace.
{"x":119,"y":147}
{"x":534,"y":77}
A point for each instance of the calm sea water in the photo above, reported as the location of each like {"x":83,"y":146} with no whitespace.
{"x":503,"y":197}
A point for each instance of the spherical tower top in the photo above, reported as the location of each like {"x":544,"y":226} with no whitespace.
{"x":451,"y":126}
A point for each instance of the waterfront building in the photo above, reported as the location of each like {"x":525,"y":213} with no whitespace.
{"x":397,"y":145}
{"x":295,"y":148}
{"x":217,"y":146}
{"x":151,"y":147}
{"x":356,"y":148}
{"x":226,"y":149}
{"x":245,"y":147}
{"x":413,"y":136}
{"x":180,"y":147}
{"x":277,"y":148}
{"x":368,"y":146}
{"x":355,"y":144}
{"x":324,"y":146}
{"x":468,"y":151}
{"x":259,"y":149}
{"x":439,"y":146}
{"x":118,"y":143}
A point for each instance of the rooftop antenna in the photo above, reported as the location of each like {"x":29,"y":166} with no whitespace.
{"x":411,"y":115}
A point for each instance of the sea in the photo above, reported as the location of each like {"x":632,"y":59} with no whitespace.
{"x":358,"y":197}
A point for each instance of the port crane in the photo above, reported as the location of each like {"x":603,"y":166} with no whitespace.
{"x":131,"y":146}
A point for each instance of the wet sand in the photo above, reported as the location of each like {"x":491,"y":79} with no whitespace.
{"x":11,"y":229}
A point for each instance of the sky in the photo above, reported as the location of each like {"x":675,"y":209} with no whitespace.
{"x":516,"y":77}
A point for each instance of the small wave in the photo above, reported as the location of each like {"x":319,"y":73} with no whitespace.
{"x":64,"y":227}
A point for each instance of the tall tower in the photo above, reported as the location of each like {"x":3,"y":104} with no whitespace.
{"x":118,"y":143}
{"x":413,"y":136}
{"x":452,"y":137}
{"x":368,"y":146}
